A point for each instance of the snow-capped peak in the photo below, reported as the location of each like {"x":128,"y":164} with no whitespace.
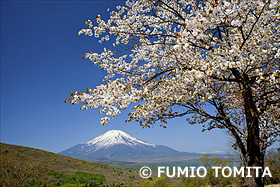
{"x":113,"y":137}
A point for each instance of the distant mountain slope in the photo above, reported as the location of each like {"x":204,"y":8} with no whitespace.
{"x":119,"y":146}
{"x":22,"y":166}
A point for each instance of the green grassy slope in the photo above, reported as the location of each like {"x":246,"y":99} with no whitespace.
{"x":23,"y":166}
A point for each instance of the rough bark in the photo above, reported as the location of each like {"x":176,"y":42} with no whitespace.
{"x":254,"y":158}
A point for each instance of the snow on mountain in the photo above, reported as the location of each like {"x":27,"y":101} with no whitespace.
{"x":114,"y":137}
{"x":117,"y":145}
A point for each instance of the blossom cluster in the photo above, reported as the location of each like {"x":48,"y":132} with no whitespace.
{"x":191,"y":56}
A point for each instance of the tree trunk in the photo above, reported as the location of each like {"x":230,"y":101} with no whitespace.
{"x":254,"y":155}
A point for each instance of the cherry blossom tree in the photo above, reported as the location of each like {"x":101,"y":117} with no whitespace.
{"x":182,"y":58}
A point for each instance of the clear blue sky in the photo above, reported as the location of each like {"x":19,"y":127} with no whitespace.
{"x":40,"y":64}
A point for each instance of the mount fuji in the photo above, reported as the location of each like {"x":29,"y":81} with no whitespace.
{"x":118,"y":146}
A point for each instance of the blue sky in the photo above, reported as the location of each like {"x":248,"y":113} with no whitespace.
{"x":41,"y":62}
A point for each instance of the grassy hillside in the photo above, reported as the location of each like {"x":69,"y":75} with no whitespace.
{"x":22,"y":166}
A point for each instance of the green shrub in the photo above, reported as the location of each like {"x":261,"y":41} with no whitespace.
{"x":196,"y":181}
{"x":56,"y":174}
{"x":160,"y":182}
{"x":157,"y":182}
{"x":131,"y":176}
{"x":84,"y":178}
